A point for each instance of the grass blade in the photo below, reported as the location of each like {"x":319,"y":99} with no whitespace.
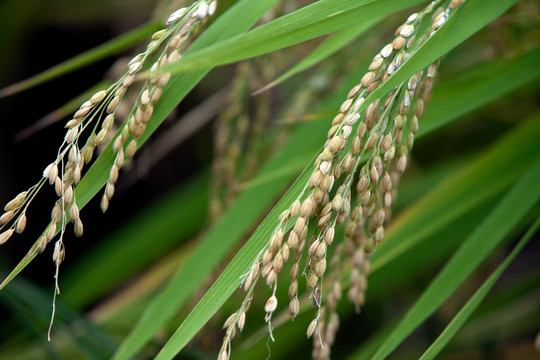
{"x":489,"y":82}
{"x":34,"y":305}
{"x":317,"y":19}
{"x":176,"y":216}
{"x":91,"y":56}
{"x":470,"y":17}
{"x":330,"y":46}
{"x":490,"y":173}
{"x":510,"y":210}
{"x":465,"y":312}
{"x":62,"y":112}
{"x":177,"y":292}
{"x":231,"y":277}
{"x":176,"y":89}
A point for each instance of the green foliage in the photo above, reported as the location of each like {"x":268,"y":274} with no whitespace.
{"x":155,"y":280}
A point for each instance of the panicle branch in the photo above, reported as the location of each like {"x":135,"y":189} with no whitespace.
{"x":93,"y":124}
{"x":353,"y":185}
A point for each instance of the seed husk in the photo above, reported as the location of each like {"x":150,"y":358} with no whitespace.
{"x":329,"y":235}
{"x":14,"y":204}
{"x":51,"y":232}
{"x":320,"y":267}
{"x":313,"y":248}
{"x":58,"y":254}
{"x":109,"y":190}
{"x":321,"y":250}
{"x":5,"y":236}
{"x":74,"y":214}
{"x":271,"y":277}
{"x":387,"y":50}
{"x":51,"y":172}
{"x":376,"y":63}
{"x":312,"y":281}
{"x":407,"y":30}
{"x":271,"y":304}
{"x":293,"y":239}
{"x":368,"y":78}
{"x":83,"y":110}
{"x":294,"y":307}
{"x":293,"y":289}
{"x":315,"y":179}
{"x":337,"y":202}
{"x":372,"y":141}
{"x":78,"y":228}
{"x":104,"y":205}
{"x":346,"y":105}
{"x":398,"y":42}
{"x":311,"y":328}
{"x":337,"y":119}
{"x":223,"y":355}
{"x":21,"y":224}
{"x":278,"y":262}
{"x":354,"y":91}
{"x":241,"y":321}
{"x":295,"y":208}
{"x":335,"y":144}
{"x":308,"y":207}
{"x":300,"y":224}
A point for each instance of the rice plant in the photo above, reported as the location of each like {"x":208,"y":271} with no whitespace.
{"x":246,"y":175}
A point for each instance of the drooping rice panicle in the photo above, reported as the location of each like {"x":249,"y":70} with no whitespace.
{"x":365,"y":153}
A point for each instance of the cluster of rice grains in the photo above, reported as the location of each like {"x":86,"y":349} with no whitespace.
{"x":97,"y":116}
{"x":237,"y":140}
{"x":364,"y":156}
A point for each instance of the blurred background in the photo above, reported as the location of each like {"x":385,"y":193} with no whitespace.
{"x":97,"y":307}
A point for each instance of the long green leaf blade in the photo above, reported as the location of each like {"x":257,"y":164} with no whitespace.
{"x":485,"y":83}
{"x":490,"y":173}
{"x":230,"y":278}
{"x":177,"y":88}
{"x":470,"y":17}
{"x":317,"y":19}
{"x":489,"y":82}
{"x":153,"y":232}
{"x":523,"y":195}
{"x":459,"y":320}
{"x":91,"y":56}
{"x":327,"y":48}
{"x":168,"y":301}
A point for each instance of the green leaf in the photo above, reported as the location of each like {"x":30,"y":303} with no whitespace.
{"x":231,"y":277}
{"x":91,"y":56}
{"x":490,"y":173}
{"x":517,"y":316}
{"x":317,"y":19}
{"x":327,"y":48}
{"x":34,"y":306}
{"x":459,"y":320}
{"x":419,"y":249}
{"x":460,"y":190}
{"x":488,"y":82}
{"x":63,"y":111}
{"x":446,"y":39}
{"x":510,"y":210}
{"x":466,"y":20}
{"x":236,"y":20}
{"x":176,"y":89}
{"x":138,"y":243}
